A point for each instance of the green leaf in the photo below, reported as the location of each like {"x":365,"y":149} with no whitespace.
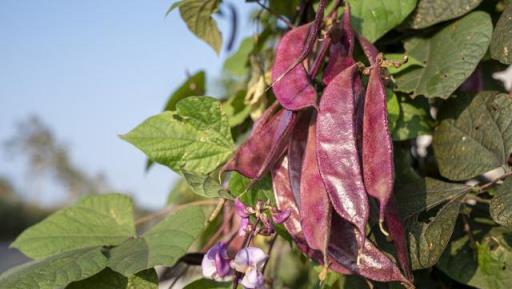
{"x":490,"y":267}
{"x":413,"y":119}
{"x":501,"y":204}
{"x":102,"y":220}
{"x":501,"y":44}
{"x":56,"y":271}
{"x":411,"y":62}
{"x":208,"y":284}
{"x":430,"y":12}
{"x":237,"y":64}
{"x":450,"y":56}
{"x":373,"y":18}
{"x":260,"y":191}
{"x":108,"y":279}
{"x":163,"y":244}
{"x":393,"y":107}
{"x":475,"y":135}
{"x":197,"y":14}
{"x":428,"y":239}
{"x":195,"y":85}
{"x":207,"y":186}
{"x":196,"y":138}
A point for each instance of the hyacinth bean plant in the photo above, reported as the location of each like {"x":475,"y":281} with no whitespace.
{"x":357,"y":144}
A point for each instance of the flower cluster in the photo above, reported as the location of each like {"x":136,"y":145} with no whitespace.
{"x":248,"y":261}
{"x":260,"y":214}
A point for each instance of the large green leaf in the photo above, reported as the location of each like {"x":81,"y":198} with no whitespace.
{"x":475,"y":135}
{"x":373,"y":18}
{"x":413,"y":118}
{"x":450,"y":56}
{"x":195,"y":85}
{"x":108,"y":279}
{"x":197,"y":14}
{"x":208,"y":284}
{"x":489,"y":267}
{"x":428,"y":239}
{"x":196,"y":138}
{"x":56,"y":271}
{"x":430,"y":12}
{"x":501,"y":204}
{"x":93,"y":221}
{"x":163,"y":244}
{"x":501,"y":44}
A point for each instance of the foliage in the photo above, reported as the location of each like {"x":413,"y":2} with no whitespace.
{"x":307,"y":172}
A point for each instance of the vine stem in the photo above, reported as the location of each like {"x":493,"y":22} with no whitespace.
{"x":271,"y":246}
{"x":166,"y":210}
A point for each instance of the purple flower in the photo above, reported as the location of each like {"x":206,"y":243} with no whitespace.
{"x":250,"y":261}
{"x":241,"y":209}
{"x":243,"y":212}
{"x":280,"y":217}
{"x":215,"y":264}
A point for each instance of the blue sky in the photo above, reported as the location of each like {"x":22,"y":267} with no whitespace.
{"x":95,"y":69}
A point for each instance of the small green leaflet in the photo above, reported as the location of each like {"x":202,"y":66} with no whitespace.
{"x":393,"y":108}
{"x":501,"y":204}
{"x":93,"y":221}
{"x":474,"y":136}
{"x":373,"y":18}
{"x":501,"y":44}
{"x":491,"y":268}
{"x":450,"y":56}
{"x":240,"y":187}
{"x":108,"y":279}
{"x":163,"y":244}
{"x":196,"y":138}
{"x":197,"y":14}
{"x":56,"y":271}
{"x":430,"y":12}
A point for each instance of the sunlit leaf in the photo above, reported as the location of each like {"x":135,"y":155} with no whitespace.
{"x":163,"y":244}
{"x":197,"y":14}
{"x":196,"y":138}
{"x":102,"y":220}
{"x":56,"y":271}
